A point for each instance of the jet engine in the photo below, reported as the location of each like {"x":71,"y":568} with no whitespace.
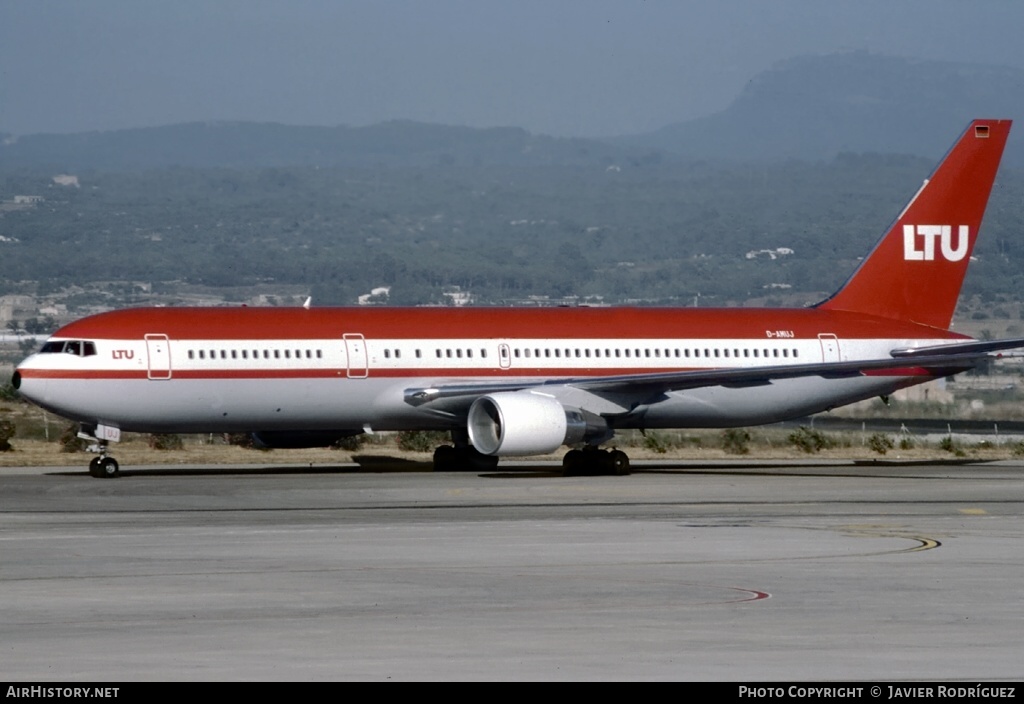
{"x":523,"y":423}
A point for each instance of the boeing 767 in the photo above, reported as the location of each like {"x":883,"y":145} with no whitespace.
{"x":526,"y":381}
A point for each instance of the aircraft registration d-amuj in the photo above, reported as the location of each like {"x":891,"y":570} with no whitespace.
{"x":525,"y":381}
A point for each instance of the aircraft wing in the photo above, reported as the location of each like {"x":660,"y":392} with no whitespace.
{"x":974,"y":346}
{"x":939,"y":362}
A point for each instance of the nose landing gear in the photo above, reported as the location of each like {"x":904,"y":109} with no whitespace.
{"x":104,"y":466}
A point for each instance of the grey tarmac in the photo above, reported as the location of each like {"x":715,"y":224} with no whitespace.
{"x":740,"y":571}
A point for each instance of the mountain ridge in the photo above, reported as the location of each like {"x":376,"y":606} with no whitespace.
{"x":807,"y":108}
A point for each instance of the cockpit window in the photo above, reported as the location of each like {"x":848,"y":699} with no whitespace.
{"x":79,"y":348}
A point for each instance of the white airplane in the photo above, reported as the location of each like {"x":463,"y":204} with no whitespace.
{"x":520,"y":382}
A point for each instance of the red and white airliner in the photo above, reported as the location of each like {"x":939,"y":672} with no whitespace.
{"x":519,"y":382}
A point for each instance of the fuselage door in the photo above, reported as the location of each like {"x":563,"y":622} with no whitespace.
{"x":504,"y":356}
{"x":158,"y":350}
{"x":355,"y":348}
{"x":829,"y":347}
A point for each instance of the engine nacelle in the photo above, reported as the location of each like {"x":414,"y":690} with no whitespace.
{"x":523,"y":423}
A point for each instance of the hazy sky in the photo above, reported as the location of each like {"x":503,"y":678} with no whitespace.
{"x":561,"y":67}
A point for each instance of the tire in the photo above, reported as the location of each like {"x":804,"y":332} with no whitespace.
{"x":574,"y":463}
{"x":618,"y":463}
{"x":444,"y":458}
{"x":479,"y":462}
{"x":108,"y":468}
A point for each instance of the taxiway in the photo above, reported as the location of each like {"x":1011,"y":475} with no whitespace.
{"x":739,"y":571}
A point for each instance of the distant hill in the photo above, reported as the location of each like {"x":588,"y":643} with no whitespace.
{"x":806,"y":108}
{"x":814,"y":107}
{"x":259,"y":145}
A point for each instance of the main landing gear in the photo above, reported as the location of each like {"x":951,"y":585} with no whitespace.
{"x":462,"y":459}
{"x":591,"y":462}
{"x":588,"y":462}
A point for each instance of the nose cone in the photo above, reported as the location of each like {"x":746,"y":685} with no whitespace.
{"x":27,"y":381}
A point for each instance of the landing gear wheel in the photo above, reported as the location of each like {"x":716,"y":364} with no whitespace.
{"x":462,"y":459}
{"x":592,"y":462}
{"x":104,"y":468}
{"x":479,"y":462}
{"x":444,"y":458}
{"x":618,"y":463}
{"x":574,"y":464}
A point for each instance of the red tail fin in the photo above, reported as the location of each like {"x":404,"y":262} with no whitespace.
{"x":915,"y":272}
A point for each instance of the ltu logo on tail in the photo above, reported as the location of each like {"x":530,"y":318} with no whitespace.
{"x":919,"y":242}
